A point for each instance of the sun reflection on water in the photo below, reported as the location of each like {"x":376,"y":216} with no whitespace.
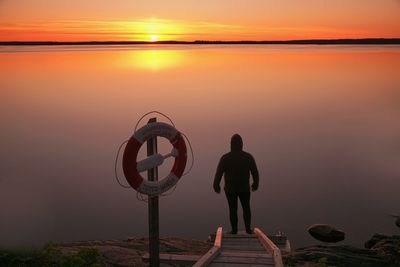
{"x":154,"y":59}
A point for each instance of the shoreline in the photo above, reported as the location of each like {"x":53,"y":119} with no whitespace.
{"x":379,"y":251}
{"x":364,"y":41}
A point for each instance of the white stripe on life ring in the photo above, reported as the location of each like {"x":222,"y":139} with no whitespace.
{"x":155,"y":129}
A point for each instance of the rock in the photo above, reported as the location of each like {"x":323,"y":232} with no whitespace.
{"x":380,"y":240}
{"x":326,"y":233}
{"x":388,"y":247}
{"x":131,"y":239}
{"x":338,"y":256}
{"x":374,"y":240}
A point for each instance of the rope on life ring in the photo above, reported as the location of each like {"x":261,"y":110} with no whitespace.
{"x":132,"y":168}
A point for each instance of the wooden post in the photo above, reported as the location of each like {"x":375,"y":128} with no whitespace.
{"x":154,"y":241}
{"x":207,"y":258}
{"x":270,"y":247}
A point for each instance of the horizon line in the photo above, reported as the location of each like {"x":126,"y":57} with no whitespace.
{"x":378,"y":40}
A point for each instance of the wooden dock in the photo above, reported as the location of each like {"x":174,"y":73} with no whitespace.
{"x":242,"y":250}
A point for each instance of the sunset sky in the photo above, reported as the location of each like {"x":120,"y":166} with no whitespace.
{"x":150,"y":20}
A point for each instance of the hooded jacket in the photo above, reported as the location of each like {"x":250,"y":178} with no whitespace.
{"x":236,"y":167}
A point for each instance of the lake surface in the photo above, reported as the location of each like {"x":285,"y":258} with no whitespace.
{"x":323,"y":123}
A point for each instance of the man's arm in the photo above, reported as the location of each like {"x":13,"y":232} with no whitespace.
{"x":254,"y":174}
{"x":218,"y":176}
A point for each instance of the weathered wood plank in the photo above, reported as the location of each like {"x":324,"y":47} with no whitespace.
{"x":207,"y":258}
{"x":240,"y":239}
{"x":269,"y":246}
{"x":218,"y":237}
{"x":242,"y":243}
{"x":244,"y":254}
{"x":245,"y":251}
{"x":174,"y":258}
{"x":238,"y":236}
{"x":223,"y":259}
{"x":245,"y":248}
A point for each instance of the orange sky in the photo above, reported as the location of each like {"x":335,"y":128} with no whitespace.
{"x":150,"y":20}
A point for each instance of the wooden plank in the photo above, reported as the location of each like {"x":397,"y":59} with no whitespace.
{"x":242,"y":250}
{"x":242,"y":239}
{"x":255,"y":241}
{"x":244,"y":234}
{"x":238,"y":236}
{"x":239,"y":239}
{"x":244,"y":254}
{"x":245,"y":251}
{"x":243,"y":242}
{"x":270,"y":246}
{"x":245,"y":248}
{"x":218,"y":237}
{"x":251,"y":245}
{"x":207,"y":258}
{"x":224,"y":259}
{"x":174,"y":258}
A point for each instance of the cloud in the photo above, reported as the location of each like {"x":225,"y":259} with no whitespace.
{"x":115,"y":29}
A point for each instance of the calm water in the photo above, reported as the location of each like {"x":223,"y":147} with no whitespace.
{"x":322,"y":123}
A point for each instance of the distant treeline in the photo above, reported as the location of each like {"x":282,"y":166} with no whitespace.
{"x":369,"y":41}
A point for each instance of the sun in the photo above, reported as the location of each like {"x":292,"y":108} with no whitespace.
{"x":153,"y":38}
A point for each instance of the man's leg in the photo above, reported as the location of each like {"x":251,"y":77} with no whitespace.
{"x":232,"y":201}
{"x":245,"y":201}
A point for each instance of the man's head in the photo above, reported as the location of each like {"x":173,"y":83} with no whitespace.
{"x":236,"y":143}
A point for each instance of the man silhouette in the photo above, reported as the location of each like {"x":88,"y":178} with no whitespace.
{"x":236,"y":167}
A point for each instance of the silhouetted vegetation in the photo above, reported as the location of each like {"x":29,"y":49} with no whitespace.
{"x":50,"y":256}
{"x":367,"y":41}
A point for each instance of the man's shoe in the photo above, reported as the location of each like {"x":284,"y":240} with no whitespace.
{"x":233,"y":232}
{"x":250,"y":231}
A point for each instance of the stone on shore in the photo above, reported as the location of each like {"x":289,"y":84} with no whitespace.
{"x":326,"y":233}
{"x":380,"y":251}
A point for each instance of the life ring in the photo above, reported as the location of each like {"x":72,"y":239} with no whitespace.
{"x":129,"y":162}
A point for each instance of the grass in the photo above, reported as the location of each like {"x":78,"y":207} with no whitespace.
{"x":50,"y":256}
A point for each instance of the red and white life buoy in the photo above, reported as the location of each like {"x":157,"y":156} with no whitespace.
{"x":130,"y":164}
